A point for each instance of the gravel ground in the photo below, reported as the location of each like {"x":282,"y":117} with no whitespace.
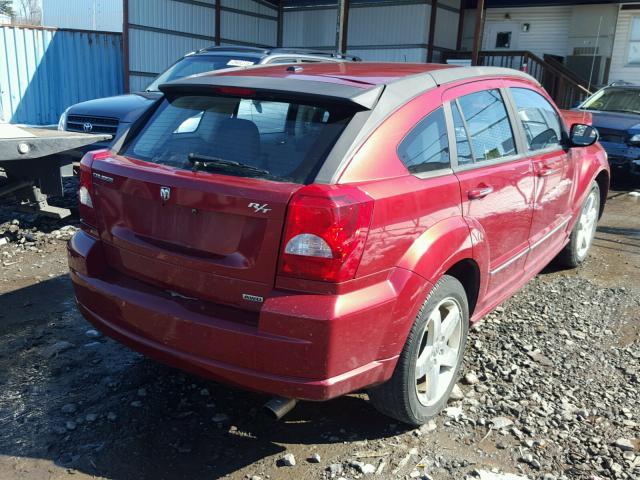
{"x":550,"y":388}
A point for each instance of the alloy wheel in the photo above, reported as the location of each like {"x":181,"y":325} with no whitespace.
{"x":440,"y":348}
{"x":587,"y":225}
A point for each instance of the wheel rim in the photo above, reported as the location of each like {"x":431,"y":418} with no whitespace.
{"x":587,"y":225}
{"x":439,"y":350}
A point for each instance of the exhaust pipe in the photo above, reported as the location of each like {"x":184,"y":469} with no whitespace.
{"x":278,"y":407}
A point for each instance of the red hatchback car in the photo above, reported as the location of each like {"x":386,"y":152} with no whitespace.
{"x":309,"y":231}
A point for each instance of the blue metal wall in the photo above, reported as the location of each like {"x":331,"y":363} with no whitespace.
{"x":43,"y":71}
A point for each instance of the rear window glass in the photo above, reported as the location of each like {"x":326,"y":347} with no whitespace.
{"x":252,"y":137}
{"x":426,"y":147}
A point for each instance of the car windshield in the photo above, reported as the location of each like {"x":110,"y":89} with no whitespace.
{"x":199,"y":64}
{"x":275,"y":140}
{"x":626,"y":100}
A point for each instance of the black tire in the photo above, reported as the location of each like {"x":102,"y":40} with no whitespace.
{"x":572,"y":255}
{"x":398,"y":398}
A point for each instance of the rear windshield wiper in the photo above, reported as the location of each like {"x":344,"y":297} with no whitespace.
{"x":203,"y":161}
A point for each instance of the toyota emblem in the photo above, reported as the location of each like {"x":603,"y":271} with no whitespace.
{"x":87,"y":127}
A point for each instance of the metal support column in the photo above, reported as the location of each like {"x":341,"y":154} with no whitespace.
{"x":218,"y":11}
{"x":477,"y":34}
{"x":342,"y":26}
{"x":280,"y":25}
{"x":460,"y":26}
{"x":125,"y":44}
{"x":432,"y":30}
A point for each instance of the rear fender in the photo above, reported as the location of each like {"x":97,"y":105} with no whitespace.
{"x":590,"y":162}
{"x":439,"y":248}
{"x":431,"y":255}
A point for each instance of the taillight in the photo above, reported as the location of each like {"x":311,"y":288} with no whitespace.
{"x":325,"y":234}
{"x":86,"y":195}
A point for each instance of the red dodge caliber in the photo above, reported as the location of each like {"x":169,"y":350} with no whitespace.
{"x":308,"y":231}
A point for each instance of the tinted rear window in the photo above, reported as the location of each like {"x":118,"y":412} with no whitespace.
{"x":276,"y":140}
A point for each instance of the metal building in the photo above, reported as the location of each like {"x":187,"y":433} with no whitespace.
{"x":158,"y":32}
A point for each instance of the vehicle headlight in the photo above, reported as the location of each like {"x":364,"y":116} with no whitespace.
{"x":62,"y":123}
{"x":635,"y":138}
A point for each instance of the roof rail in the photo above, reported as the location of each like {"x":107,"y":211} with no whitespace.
{"x":621,"y":83}
{"x":320,"y":53}
{"x":241,"y":48}
{"x":448,"y":75}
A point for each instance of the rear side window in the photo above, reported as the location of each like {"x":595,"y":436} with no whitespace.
{"x":275,"y":140}
{"x":487,"y":125}
{"x":426,"y":147}
{"x":539,"y":119}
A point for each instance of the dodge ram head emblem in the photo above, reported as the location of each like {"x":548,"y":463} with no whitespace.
{"x":165,"y":194}
{"x":87,"y":127}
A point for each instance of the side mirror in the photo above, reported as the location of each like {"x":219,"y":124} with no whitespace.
{"x":583,"y":135}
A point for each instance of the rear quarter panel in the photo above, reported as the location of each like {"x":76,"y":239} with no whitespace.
{"x":406,"y":207}
{"x":417,"y":223}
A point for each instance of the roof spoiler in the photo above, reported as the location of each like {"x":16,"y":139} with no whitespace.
{"x":363,"y":98}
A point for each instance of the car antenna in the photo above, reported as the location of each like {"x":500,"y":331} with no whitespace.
{"x":593,"y":63}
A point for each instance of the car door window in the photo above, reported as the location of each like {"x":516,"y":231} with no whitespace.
{"x":488,"y":125}
{"x":426,"y":146}
{"x":463,"y":147}
{"x":539,"y":119}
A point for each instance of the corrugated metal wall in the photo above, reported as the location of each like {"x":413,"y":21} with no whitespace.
{"x":43,"y":71}
{"x":384,"y":31}
{"x":248,"y":22}
{"x":405,"y":27}
{"x":310,"y":28}
{"x":162,"y":31}
{"x":101,"y":15}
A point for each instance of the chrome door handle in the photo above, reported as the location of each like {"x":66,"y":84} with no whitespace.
{"x":547,"y":171}
{"x":479,"y":192}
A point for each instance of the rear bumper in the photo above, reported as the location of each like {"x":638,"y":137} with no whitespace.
{"x":313,"y":347}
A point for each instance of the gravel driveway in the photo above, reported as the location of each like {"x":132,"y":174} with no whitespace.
{"x":551,"y":388}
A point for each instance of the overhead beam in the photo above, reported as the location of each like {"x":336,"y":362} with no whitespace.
{"x":477,"y":34}
{"x":432,"y":30}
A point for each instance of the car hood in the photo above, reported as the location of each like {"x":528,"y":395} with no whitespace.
{"x":615,"y":120}
{"x":126,"y":108}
